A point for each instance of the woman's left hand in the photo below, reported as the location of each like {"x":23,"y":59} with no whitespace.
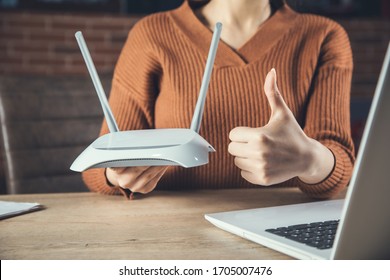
{"x":279,"y":150}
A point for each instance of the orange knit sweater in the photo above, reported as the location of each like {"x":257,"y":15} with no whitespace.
{"x":159,"y":72}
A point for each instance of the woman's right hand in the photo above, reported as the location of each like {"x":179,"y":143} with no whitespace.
{"x":141,"y":179}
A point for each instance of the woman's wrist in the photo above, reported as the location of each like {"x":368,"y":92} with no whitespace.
{"x":320,"y":163}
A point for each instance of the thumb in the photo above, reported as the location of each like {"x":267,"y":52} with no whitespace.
{"x":272,"y":92}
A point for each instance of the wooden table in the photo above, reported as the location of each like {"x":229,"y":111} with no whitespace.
{"x":161,"y":225}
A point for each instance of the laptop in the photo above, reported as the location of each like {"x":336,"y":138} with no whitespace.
{"x":357,"y":227}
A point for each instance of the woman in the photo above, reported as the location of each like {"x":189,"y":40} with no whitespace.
{"x":289,"y":128}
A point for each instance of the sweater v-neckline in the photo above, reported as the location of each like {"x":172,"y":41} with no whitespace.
{"x":253,"y":49}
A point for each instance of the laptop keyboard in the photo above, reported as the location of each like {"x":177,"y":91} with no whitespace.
{"x":320,"y":235}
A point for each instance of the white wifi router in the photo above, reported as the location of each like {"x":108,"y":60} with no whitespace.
{"x":150,"y":147}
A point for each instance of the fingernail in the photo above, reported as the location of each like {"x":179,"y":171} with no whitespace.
{"x":273,"y":70}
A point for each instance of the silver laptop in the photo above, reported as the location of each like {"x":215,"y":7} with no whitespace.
{"x":357,"y":227}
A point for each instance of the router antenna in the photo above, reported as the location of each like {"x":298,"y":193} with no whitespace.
{"x":198,"y":113}
{"x":112,"y":126}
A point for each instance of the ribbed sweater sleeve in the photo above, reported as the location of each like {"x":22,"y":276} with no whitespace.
{"x":132,"y":97}
{"x":327,"y":116}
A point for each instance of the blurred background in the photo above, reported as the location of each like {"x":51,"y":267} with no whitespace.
{"x":48,"y":108}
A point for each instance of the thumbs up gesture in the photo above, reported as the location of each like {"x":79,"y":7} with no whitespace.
{"x":279,"y":150}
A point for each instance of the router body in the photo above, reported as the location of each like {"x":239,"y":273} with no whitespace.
{"x":149,"y":147}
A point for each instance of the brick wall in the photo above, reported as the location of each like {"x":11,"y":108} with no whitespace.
{"x":43,"y":45}
{"x":34,"y":43}
{"x":369,"y":40}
